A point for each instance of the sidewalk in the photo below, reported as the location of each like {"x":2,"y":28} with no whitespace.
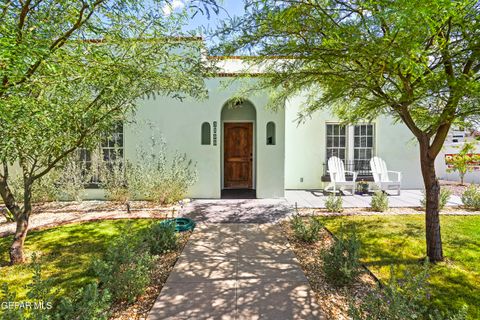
{"x":236,"y":271}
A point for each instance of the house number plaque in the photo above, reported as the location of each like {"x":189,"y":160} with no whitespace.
{"x":214,"y":133}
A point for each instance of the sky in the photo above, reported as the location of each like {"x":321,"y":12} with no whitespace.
{"x":228,"y":8}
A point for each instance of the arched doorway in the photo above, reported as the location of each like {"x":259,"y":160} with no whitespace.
{"x":238,"y":119}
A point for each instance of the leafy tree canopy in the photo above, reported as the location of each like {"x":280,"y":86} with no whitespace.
{"x":70,"y":69}
{"x":416,"y":60}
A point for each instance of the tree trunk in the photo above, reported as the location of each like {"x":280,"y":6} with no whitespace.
{"x":16,"y":249}
{"x":22,"y":217}
{"x":432,"y":195}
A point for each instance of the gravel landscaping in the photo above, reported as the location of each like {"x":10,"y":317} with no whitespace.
{"x":333,"y":301}
{"x":455,"y":187}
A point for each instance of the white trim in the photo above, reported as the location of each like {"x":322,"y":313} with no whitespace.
{"x":254,"y":151}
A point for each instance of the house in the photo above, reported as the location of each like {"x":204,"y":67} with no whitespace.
{"x":239,"y":144}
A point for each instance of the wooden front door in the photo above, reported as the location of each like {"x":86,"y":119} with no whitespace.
{"x":238,"y":155}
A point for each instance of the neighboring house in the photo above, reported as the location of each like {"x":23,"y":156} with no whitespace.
{"x":455,"y":140}
{"x":246,"y":146}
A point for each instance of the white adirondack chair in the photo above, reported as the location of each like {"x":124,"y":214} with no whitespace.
{"x":336,"y":169}
{"x":381,"y":175}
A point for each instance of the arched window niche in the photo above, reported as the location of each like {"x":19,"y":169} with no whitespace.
{"x":206,"y":134}
{"x":271,"y":134}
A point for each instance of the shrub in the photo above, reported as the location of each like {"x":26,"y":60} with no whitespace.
{"x":471,"y":198}
{"x":334,"y":203}
{"x":157,"y":179}
{"x":341,"y":261}
{"x":125,"y":269}
{"x":40,"y":289}
{"x":155,"y":176}
{"x":379,"y":201}
{"x":88,"y":303}
{"x":404,"y":299}
{"x":66,"y":182}
{"x":442,"y":201}
{"x":39,"y":293}
{"x":43,"y":189}
{"x":306,"y":231}
{"x":162,"y":237}
{"x":114,"y":180}
{"x":9,"y":313}
{"x":71,"y":181}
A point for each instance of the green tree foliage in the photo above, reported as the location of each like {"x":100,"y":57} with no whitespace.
{"x":415,"y":61}
{"x":70,"y":69}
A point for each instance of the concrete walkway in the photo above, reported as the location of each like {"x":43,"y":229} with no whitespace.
{"x":236,"y":271}
{"x":237,"y":210}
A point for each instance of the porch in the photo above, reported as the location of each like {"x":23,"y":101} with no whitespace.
{"x":316,"y":199}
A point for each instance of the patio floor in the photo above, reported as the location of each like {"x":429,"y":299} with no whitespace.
{"x":272,"y":210}
{"x":316,"y":199}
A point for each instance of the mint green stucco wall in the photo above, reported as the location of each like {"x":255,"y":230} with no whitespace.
{"x":179,"y":122}
{"x":299,"y":152}
{"x":306,"y":147}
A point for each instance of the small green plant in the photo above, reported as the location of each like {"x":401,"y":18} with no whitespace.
{"x":471,"y":197}
{"x":125,"y":269}
{"x":306,"y":231}
{"x":379,"y":201}
{"x":362,"y":186}
{"x":88,"y":303}
{"x":442,"y":201}
{"x":401,"y":299}
{"x":341,"y":262}
{"x":334,"y":203}
{"x":162,"y":237}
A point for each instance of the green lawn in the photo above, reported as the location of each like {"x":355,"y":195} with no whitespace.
{"x":64,"y":252}
{"x":400,"y":241}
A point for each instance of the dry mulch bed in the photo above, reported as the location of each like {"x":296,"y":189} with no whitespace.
{"x":163,"y":266}
{"x":333,"y":301}
{"x":455,"y":187}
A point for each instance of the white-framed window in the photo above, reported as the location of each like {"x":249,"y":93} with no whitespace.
{"x":336,"y":141}
{"x":110,"y":149}
{"x":112,"y":145}
{"x":363,"y":145}
{"x":354,"y":144}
